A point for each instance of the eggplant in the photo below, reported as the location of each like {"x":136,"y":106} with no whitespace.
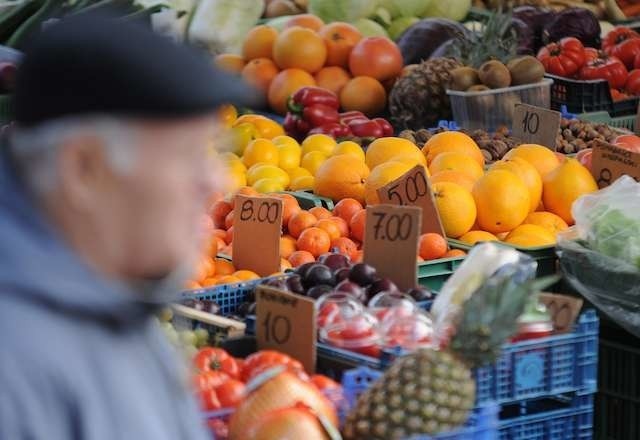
{"x":418,"y":42}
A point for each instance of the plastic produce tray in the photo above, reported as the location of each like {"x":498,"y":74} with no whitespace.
{"x":494,"y":108}
{"x":588,"y":96}
{"x":623,"y":122}
{"x":433,"y":274}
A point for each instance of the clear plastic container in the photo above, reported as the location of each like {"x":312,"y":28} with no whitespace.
{"x":494,"y":108}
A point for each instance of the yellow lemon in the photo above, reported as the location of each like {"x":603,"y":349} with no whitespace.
{"x":267,"y":171}
{"x":284,"y":140}
{"x":312,"y":161}
{"x":235,"y":180}
{"x":294,"y":173}
{"x":240,"y":136}
{"x":228,"y":156}
{"x":530,"y":236}
{"x":319,"y":142}
{"x":235,"y":166}
{"x":349,"y":147}
{"x":473,"y":237}
{"x":260,"y":150}
{"x":266,"y":186}
{"x":302,"y":183}
{"x":385,"y":149}
{"x":289,"y":156}
{"x":227,"y":115}
{"x":268,"y":128}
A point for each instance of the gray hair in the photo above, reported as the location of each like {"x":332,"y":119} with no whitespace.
{"x":36,"y":149}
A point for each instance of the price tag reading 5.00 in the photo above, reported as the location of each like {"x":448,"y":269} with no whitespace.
{"x":256,"y":234}
{"x":391,"y":242}
{"x":536,"y":125}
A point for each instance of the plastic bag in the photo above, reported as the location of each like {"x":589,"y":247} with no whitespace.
{"x":600,"y":255}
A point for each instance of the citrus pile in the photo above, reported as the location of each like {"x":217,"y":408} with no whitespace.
{"x":309,"y":52}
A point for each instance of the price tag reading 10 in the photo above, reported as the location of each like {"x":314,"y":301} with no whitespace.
{"x":536,"y":125}
{"x":256,"y":234}
{"x":391,"y":242}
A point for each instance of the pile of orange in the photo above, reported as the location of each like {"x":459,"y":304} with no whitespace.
{"x":308,"y":52}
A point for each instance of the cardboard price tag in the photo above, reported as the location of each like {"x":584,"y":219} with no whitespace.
{"x":609,"y":162}
{"x":536,"y":125}
{"x":414,"y":189}
{"x":391,"y":242}
{"x":256,"y":234}
{"x":286,"y":322}
{"x":564,"y":310}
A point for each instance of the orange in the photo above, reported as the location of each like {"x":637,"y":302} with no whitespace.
{"x":450,"y":141}
{"x":385,"y":149}
{"x":259,"y":42}
{"x":230,"y":62}
{"x":330,"y":228}
{"x":357,"y":225}
{"x":342,"y":225}
{"x":542,"y":158}
{"x":228,"y":220}
{"x":341,"y":177}
{"x":320,"y":213}
{"x":298,"y":258}
{"x":267,"y":128}
{"x":344,"y":245}
{"x":456,"y":208}
{"x":229,"y":236}
{"x":432,"y":246}
{"x":529,"y":175}
{"x":299,"y":48}
{"x":346,"y":208}
{"x":224,"y":267}
{"x":462,"y":179}
{"x":228,"y":279}
{"x":364,"y":94}
{"x":314,"y":240}
{"x":221,"y":243}
{"x":260,"y":151}
{"x":473,"y":237}
{"x":192,"y":285}
{"x":502,"y":200}
{"x":565,"y":184}
{"x":212,"y":281}
{"x":313,"y":160}
{"x":284,"y":264}
{"x":299,"y":222}
{"x":219,"y":212}
{"x":332,"y":78}
{"x":547,"y":220}
{"x":246,"y":275}
{"x":286,"y":83}
{"x":456,"y":161}
{"x":530,"y":236}
{"x":287,"y":246}
{"x":319,"y":142}
{"x":380,"y":176}
{"x":308,"y":21}
{"x":290,"y":206}
{"x":259,"y":72}
{"x":340,"y":39}
{"x":454,"y":253}
{"x":378,"y":57}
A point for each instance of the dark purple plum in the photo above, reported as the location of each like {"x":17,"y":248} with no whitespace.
{"x":352,"y":288}
{"x":294,"y":284}
{"x":302,"y":269}
{"x":336,"y":261}
{"x":421,"y":294}
{"x":342,"y":274}
{"x":381,"y":285}
{"x":363,"y":274}
{"x":318,"y":274}
{"x":317,"y":291}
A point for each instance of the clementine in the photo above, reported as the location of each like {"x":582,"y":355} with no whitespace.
{"x":301,"y":48}
{"x":344,"y":245}
{"x":340,"y":39}
{"x":259,"y":42}
{"x":314,"y":240}
{"x":286,"y":83}
{"x":454,"y":253}
{"x":342,"y":224}
{"x":298,"y":258}
{"x":228,"y":239}
{"x":320,"y":213}
{"x":290,"y":206}
{"x":219,"y":212}
{"x":346,"y":208}
{"x":432,"y":246}
{"x":228,"y":220}
{"x":299,"y":222}
{"x":357,"y":224}
{"x":224,"y":267}
{"x":332,"y":78}
{"x":364,"y":94}
{"x":259,"y":72}
{"x":287,"y":246}
{"x":329,"y":227}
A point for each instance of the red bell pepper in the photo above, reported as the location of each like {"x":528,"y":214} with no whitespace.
{"x":320,"y":114}
{"x":366,"y":128}
{"x":347,"y":117}
{"x":310,"y":96}
{"x":386,"y":126}
{"x":334,"y":129}
{"x":295,"y":126}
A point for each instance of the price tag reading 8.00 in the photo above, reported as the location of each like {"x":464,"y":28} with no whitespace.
{"x":256,"y":234}
{"x":536,"y":125}
{"x":391,"y":242}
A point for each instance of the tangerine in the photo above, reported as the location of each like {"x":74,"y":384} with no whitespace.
{"x":299,"y":48}
{"x":259,"y":42}
{"x":347,"y":208}
{"x":357,"y":225}
{"x":330,"y":228}
{"x":432,"y":246}
{"x":299,"y":222}
{"x":314,"y":240}
{"x":320,"y":213}
{"x":286,"y":83}
{"x":364,"y":94}
{"x":259,"y":72}
{"x":340,"y":39}
{"x":298,"y":258}
{"x":332,"y":78}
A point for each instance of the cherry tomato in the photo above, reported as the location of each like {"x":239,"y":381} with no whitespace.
{"x":624,"y":44}
{"x":564,"y":58}
{"x":265,"y":359}
{"x":230,"y":393}
{"x":207,"y":380}
{"x":216,"y":359}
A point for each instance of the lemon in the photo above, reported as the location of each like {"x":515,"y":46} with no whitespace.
{"x":319,"y":142}
{"x":228,"y":156}
{"x":302,"y":183}
{"x":284,"y":140}
{"x":260,"y":150}
{"x":241,"y":135}
{"x":227,"y":115}
{"x":312,"y":161}
{"x":349,"y":147}
{"x":268,"y":128}
{"x":265,"y":186}
{"x":235,"y":180}
{"x":298,"y":172}
{"x":235,"y":166}
{"x":289,"y":155}
{"x":267,"y":171}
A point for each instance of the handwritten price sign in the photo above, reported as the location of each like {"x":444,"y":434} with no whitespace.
{"x":536,"y":125}
{"x":609,"y":162}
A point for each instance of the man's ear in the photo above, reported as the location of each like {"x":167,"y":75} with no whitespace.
{"x":83,"y":168}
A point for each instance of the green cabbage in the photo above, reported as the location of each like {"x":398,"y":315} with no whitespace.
{"x":342,"y":10}
{"x":399,"y":25}
{"x":615,"y":234}
{"x":407,"y":8}
{"x":451,"y":9}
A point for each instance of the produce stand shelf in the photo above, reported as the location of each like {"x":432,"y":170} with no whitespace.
{"x":603,"y":117}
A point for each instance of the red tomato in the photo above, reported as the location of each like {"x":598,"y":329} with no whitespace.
{"x":207,"y":380}
{"x":629,"y":142}
{"x":617,"y":95}
{"x":564,"y":58}
{"x":632,"y":85}
{"x":209,"y":400}
{"x":624,"y":44}
{"x":591,"y":54}
{"x":216,"y":359}
{"x":230,"y":393}
{"x":609,"y":68}
{"x":265,"y":359}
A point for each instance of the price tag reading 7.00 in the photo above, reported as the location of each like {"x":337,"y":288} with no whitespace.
{"x":536,"y":125}
{"x":391,"y":242}
{"x":256,"y":234}
{"x":413,"y":189}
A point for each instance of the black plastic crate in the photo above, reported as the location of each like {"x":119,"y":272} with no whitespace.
{"x":588,"y":96}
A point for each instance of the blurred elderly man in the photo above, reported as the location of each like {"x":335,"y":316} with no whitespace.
{"x":102,"y":185}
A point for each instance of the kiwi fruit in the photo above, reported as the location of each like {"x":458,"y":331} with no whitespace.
{"x":478,"y":88}
{"x":463,"y":77}
{"x":525,"y":70}
{"x":494,"y":75}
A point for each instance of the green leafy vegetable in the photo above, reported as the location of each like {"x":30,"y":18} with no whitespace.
{"x":615,"y":234}
{"x":342,"y":10}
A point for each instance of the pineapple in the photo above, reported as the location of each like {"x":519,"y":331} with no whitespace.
{"x":419,"y":97}
{"x":431,"y":391}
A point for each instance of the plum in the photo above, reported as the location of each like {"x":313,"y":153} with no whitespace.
{"x":294,"y":283}
{"x":363,"y":274}
{"x":317,"y":291}
{"x":342,"y":274}
{"x":302,"y":269}
{"x":336,"y":261}
{"x":351,"y":288}
{"x":381,"y":285}
{"x":318,"y":274}
{"x":421,"y":294}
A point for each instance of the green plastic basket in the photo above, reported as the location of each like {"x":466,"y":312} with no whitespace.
{"x":623,"y":122}
{"x":433,"y":274}
{"x":308,"y":200}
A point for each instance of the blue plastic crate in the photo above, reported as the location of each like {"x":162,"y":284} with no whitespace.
{"x":482,"y":424}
